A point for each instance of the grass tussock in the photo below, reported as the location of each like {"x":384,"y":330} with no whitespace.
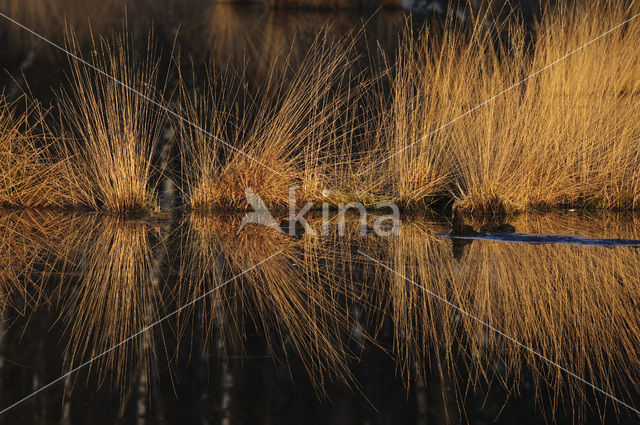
{"x":30,"y":176}
{"x":111,"y":130}
{"x":567,"y":136}
{"x":288,"y":135}
{"x":438,"y":126}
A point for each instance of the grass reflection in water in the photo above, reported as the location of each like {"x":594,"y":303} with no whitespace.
{"x":321,"y":305}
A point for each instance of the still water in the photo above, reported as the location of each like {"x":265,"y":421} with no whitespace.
{"x":329,"y":329}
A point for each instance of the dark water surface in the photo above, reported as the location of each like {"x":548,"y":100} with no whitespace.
{"x":247,"y":38}
{"x":317,"y":333}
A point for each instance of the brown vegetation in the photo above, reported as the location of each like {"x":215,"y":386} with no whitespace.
{"x":437,"y":125}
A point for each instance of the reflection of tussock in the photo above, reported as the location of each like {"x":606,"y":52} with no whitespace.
{"x":117,"y":294}
{"x":28,"y":240}
{"x":292,"y":300}
{"x":108,"y":287}
{"x":576,"y":306}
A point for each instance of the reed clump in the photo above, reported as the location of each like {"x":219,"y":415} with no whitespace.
{"x":440,"y":127}
{"x":287,"y":135}
{"x":30,"y":175}
{"x":111,"y":128}
{"x":566,"y":136}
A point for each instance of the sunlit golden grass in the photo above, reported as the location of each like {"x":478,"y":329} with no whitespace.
{"x":30,"y":176}
{"x":574,"y":305}
{"x":565,"y":137}
{"x":110,"y":130}
{"x":289,"y":135}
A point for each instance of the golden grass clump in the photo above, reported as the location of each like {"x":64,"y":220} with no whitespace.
{"x":288,"y":133}
{"x":30,"y":176}
{"x":590,"y":102}
{"x":443,"y":128}
{"x":567,"y":136}
{"x":111,"y":130}
{"x":424,"y":96}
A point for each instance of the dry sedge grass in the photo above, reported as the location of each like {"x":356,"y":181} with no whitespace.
{"x":294,"y":126}
{"x":26,"y":240}
{"x":30,"y":176}
{"x":567,"y":136}
{"x":111,"y":131}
